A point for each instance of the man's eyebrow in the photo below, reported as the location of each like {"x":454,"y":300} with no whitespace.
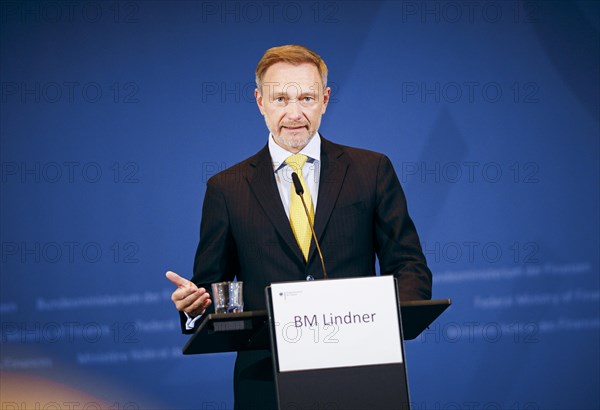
{"x":277,"y":94}
{"x":284,"y":94}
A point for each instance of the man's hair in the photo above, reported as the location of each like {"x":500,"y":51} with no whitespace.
{"x":292,"y":54}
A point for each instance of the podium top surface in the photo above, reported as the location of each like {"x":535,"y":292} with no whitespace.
{"x":230,"y":332}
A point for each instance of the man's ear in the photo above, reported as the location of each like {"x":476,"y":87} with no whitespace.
{"x":259,"y":100}
{"x":326,"y":95}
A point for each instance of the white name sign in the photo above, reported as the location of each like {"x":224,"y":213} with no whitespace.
{"x":336,"y":323}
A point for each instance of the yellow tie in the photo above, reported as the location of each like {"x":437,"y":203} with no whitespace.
{"x":298,"y":219}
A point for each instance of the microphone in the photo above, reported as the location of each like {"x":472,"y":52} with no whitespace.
{"x":300,"y":191}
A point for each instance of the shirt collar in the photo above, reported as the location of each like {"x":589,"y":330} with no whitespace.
{"x":279,"y":154}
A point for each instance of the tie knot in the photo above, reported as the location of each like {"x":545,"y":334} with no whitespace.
{"x":296,"y":161}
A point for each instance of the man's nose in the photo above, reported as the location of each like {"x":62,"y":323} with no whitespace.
{"x":294,"y":109}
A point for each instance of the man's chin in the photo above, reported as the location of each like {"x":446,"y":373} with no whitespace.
{"x":293,"y":140}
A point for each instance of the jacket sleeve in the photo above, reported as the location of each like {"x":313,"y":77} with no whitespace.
{"x":216,"y":257}
{"x":396,"y":239}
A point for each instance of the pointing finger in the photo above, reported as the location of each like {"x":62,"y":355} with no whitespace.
{"x":178,"y":280}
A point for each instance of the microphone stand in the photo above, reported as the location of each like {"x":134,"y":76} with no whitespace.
{"x":300,"y":191}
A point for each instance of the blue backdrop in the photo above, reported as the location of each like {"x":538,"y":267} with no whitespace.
{"x":114,"y":115}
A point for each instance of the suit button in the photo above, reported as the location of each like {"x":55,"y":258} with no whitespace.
{"x":310,"y":277}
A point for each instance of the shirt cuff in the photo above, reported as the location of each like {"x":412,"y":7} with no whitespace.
{"x":191,"y":322}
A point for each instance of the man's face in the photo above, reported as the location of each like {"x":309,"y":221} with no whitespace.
{"x":292,"y":100}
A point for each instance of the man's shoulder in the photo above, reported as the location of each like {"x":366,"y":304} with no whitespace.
{"x":354,"y":154}
{"x":240,"y":171}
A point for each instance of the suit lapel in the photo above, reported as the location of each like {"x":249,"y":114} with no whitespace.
{"x":333,"y":172}
{"x":262,"y":182}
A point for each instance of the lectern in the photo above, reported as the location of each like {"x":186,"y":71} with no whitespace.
{"x":329,"y":350}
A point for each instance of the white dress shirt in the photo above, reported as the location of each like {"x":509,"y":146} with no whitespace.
{"x":310,"y":170}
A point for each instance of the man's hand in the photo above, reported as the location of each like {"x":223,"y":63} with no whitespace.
{"x":188,"y":297}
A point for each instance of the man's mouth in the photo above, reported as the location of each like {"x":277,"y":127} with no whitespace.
{"x":294,"y":127}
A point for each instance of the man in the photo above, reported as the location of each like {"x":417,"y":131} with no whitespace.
{"x":251,"y":228}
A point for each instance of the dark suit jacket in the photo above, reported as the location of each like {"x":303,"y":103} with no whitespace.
{"x":361,"y":212}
